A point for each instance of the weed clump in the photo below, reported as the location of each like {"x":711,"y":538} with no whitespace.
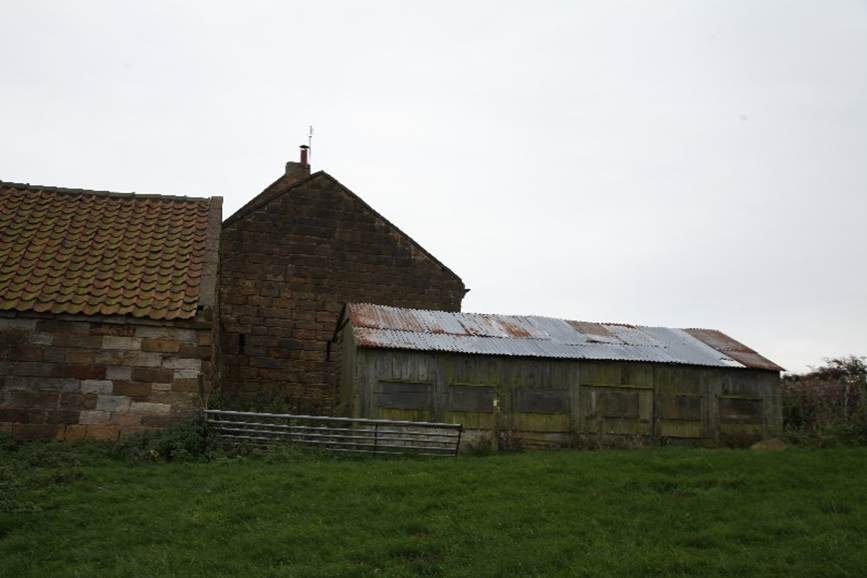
{"x":187,"y":441}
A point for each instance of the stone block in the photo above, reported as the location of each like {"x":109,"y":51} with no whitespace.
{"x":129,"y":358}
{"x":151,"y":331}
{"x":79,"y":371}
{"x":41,"y":338}
{"x":120,"y":342}
{"x":117,"y":329}
{"x":77,"y":341}
{"x":132,"y":388}
{"x":18,"y":324}
{"x":152,"y":374}
{"x":161,"y":345}
{"x":118,"y":372}
{"x":103,"y":432}
{"x":73,"y":400}
{"x":30,"y":368}
{"x":40,"y":431}
{"x":182,"y":363}
{"x":81,"y":357}
{"x":125,"y":420}
{"x":62,"y":327}
{"x":150,"y":408}
{"x":62,"y":416}
{"x":187,"y":374}
{"x":199,"y":352}
{"x":89,"y":401}
{"x":159,"y":421}
{"x":29,"y":399}
{"x":101,"y":386}
{"x":54,"y":355}
{"x":93,"y":416}
{"x":13,"y":414}
{"x":203,"y":339}
{"x":50,"y":383}
{"x":114,"y":403}
{"x":186,"y":385}
{"x":25,"y":352}
{"x":74,"y":432}
{"x":165,"y":332}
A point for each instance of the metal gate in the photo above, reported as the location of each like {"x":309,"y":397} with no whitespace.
{"x":338,"y":434}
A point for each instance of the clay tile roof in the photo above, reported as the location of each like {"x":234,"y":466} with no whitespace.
{"x":98,"y":253}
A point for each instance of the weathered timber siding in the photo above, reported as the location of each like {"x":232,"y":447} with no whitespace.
{"x":549,"y":402}
{"x":73,"y":377}
{"x":288,"y":265}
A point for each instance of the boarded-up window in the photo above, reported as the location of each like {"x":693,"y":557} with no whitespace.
{"x":740,"y":409}
{"x":541,"y":400}
{"x":471,"y":398}
{"x":681,"y":406}
{"x":405,"y":395}
{"x":618,"y":404}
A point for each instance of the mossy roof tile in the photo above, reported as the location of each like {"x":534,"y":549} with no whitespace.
{"x":90,"y":252}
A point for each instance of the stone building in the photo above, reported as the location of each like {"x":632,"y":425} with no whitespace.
{"x":290,"y":259}
{"x":547,"y":381}
{"x":108,"y":309}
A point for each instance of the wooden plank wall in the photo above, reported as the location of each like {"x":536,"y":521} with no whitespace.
{"x":551,"y":401}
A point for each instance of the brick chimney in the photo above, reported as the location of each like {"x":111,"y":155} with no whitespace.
{"x":300,"y":170}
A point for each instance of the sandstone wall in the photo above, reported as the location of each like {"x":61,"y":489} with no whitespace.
{"x":68,"y":379}
{"x":288,"y":266}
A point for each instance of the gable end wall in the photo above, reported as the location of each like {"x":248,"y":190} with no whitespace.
{"x":287,"y":268}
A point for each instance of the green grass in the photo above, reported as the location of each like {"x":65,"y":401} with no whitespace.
{"x":661,"y":512}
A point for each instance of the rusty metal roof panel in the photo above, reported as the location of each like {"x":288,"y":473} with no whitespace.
{"x":734,"y":349}
{"x":384,"y":327}
{"x":686,"y":349}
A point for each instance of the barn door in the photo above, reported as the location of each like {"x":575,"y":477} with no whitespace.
{"x":680,"y":415}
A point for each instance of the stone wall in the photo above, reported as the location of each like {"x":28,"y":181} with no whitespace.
{"x":68,"y":378}
{"x":289,"y":261}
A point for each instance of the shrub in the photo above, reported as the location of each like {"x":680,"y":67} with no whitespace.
{"x":827,"y":405}
{"x":189,"y":440}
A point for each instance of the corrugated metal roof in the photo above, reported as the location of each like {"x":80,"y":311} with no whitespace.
{"x":383,"y":327}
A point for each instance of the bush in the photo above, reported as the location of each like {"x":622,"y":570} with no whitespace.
{"x":189,"y":440}
{"x":828,"y":405}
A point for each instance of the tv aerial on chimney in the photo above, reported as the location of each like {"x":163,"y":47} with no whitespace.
{"x":310,"y":140}
{"x":306,"y":149}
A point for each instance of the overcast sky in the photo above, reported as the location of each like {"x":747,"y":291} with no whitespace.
{"x":687,"y":164}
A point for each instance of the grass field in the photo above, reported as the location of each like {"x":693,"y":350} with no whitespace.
{"x":660,"y":512}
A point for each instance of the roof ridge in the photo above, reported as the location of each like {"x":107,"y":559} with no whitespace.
{"x":524,"y":315}
{"x":519,"y":338}
{"x":101,"y":193}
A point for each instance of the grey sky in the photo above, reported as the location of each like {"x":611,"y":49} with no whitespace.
{"x":690,"y":164}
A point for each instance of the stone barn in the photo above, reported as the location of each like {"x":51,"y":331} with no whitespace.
{"x":556,"y":382}
{"x":108,"y":310}
{"x":290,"y":259}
